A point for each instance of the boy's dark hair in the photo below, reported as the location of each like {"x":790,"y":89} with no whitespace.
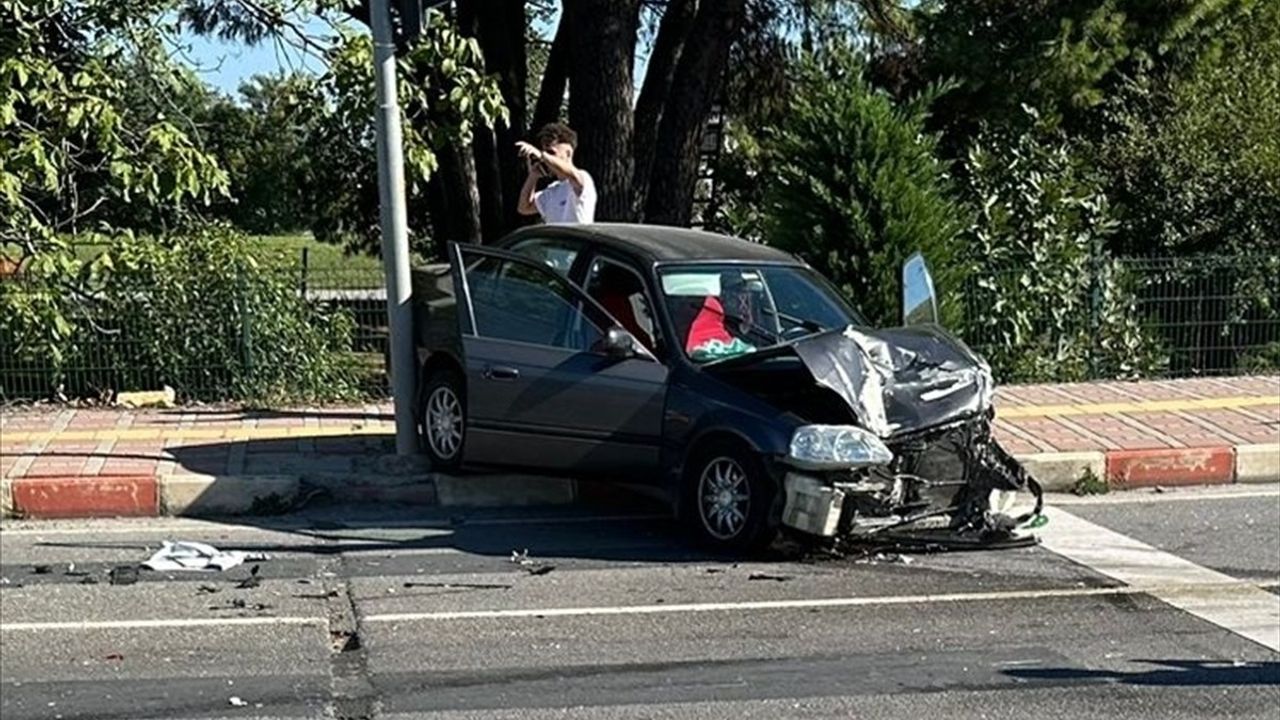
{"x":556,"y":133}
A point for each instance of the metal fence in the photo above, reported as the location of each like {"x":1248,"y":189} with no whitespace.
{"x":108,"y":350}
{"x":1184,"y":316}
{"x":1137,"y":317}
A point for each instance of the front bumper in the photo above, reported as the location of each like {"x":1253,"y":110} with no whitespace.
{"x":941,"y":476}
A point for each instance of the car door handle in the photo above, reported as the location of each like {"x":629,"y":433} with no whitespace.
{"x":500,"y":372}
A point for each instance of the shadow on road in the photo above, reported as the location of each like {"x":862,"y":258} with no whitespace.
{"x":1172,"y":673}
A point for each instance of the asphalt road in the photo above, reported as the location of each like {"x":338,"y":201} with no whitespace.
{"x":1122,"y":613}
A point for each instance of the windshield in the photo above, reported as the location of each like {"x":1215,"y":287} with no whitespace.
{"x":720,"y":311}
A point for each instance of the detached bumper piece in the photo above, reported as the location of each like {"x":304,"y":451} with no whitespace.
{"x":936,"y":494}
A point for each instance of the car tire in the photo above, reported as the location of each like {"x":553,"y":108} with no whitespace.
{"x":730,"y":504}
{"x":442,"y":419}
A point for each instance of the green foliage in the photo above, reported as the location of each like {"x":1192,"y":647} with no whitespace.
{"x":444,"y":93}
{"x":1194,"y":160}
{"x":1090,"y":484}
{"x":1044,"y":300}
{"x":1062,"y":56}
{"x":72,"y":138}
{"x":205,"y":312}
{"x":852,"y":184}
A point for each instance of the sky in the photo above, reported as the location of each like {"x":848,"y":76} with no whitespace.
{"x":226,"y":65}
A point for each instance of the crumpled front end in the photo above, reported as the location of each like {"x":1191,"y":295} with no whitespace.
{"x":919,"y":452}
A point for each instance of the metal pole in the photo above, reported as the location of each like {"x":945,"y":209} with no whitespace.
{"x":395,"y":234}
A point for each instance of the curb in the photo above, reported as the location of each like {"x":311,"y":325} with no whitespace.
{"x":1132,"y":469}
{"x":408,"y":484}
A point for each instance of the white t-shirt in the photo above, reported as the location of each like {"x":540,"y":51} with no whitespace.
{"x":558,"y":203}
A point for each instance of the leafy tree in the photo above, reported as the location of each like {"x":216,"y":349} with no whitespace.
{"x":1193,"y":161}
{"x":73,"y":143}
{"x":1063,"y":57}
{"x":853,"y":184}
{"x":1044,"y":301}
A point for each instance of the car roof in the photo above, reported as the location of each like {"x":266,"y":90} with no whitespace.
{"x":660,"y":243}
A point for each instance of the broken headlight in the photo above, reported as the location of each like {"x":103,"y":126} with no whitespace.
{"x":837,"y":447}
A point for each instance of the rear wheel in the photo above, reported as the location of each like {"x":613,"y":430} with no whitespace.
{"x":444,"y":422}
{"x":731,"y":504}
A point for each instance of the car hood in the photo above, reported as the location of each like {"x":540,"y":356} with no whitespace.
{"x":896,"y":381}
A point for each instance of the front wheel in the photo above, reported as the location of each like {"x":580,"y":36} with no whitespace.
{"x":730,"y":502}
{"x":443,"y":422}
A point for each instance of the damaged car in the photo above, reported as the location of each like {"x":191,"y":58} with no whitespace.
{"x":728,"y":375}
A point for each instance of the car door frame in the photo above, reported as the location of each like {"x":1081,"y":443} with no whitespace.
{"x":585,"y":451}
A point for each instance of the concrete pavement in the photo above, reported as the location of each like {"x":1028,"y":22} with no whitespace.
{"x":62,"y":462}
{"x":422,"y":614}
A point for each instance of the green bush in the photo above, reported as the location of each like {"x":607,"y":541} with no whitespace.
{"x":203,"y":312}
{"x":1044,"y":301}
{"x":852,"y":184}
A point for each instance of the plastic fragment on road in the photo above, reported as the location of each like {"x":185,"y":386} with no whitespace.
{"x":185,"y":555}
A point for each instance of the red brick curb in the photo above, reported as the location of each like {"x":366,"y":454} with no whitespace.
{"x":1171,"y":467}
{"x":85,"y":497}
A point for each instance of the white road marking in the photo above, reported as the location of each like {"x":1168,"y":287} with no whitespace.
{"x":1230,"y":587}
{"x":166,"y":623}
{"x":1251,"y":613}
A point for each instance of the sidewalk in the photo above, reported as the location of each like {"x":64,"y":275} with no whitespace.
{"x":81,"y":463}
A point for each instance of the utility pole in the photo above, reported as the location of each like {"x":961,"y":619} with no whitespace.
{"x":395,"y":231}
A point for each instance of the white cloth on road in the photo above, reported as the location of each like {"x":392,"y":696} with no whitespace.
{"x":185,"y":555}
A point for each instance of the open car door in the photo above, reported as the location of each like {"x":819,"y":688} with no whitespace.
{"x":549,"y":385}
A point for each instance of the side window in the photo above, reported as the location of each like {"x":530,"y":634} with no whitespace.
{"x":515,"y":301}
{"x":621,"y":292}
{"x":556,"y":253}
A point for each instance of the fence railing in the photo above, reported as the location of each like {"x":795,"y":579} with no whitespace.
{"x":1136,"y":317}
{"x":1148,"y":317}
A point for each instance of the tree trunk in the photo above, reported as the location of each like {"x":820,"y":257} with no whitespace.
{"x":698,"y":80}
{"x":603,"y":46}
{"x":500,"y":29}
{"x":672,"y":33}
{"x":555,"y":78}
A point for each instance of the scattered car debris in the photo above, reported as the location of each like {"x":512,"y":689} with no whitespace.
{"x":252,"y":581}
{"x":533,"y":567}
{"x":184,"y":555}
{"x":242,"y":604}
{"x":768,"y":576}
{"x":124,"y":575}
{"x":461,"y":586}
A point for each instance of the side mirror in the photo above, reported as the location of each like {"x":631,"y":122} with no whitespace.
{"x":919,"y":300}
{"x":619,"y":344}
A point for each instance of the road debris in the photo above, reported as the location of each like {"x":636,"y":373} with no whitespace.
{"x":242,"y":604}
{"x":252,"y":581}
{"x":767,"y":576}
{"x":124,"y":575}
{"x":184,"y":555}
{"x":533,"y":567}
{"x":237,"y":702}
{"x":207,"y":590}
{"x":116,"y":657}
{"x":42,"y":569}
{"x":461,"y":586}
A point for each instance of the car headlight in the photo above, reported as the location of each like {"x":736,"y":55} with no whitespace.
{"x":837,"y":446}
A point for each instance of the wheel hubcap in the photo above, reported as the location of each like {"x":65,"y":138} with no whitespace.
{"x":723,"y":498}
{"x":444,"y":422}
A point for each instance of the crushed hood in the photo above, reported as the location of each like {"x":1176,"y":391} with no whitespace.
{"x":895,"y":381}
